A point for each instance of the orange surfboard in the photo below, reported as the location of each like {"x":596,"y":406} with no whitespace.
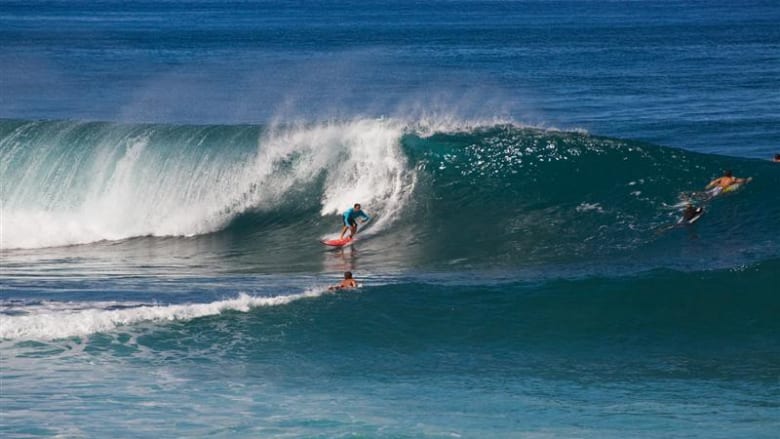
{"x":337,"y":242}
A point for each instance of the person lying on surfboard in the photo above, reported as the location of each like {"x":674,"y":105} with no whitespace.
{"x":722,"y":183}
{"x":350,"y":220}
{"x":348,"y":282}
{"x":690,"y":213}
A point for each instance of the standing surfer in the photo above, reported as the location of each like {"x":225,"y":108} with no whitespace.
{"x":350,"y":220}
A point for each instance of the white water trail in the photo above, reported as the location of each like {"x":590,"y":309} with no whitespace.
{"x":52,"y":320}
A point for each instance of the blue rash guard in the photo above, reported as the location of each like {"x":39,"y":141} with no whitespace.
{"x":351,"y":215}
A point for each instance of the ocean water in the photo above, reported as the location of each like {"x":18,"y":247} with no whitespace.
{"x":168,"y":168}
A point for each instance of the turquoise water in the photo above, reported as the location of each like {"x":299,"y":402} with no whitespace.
{"x":168,"y":168}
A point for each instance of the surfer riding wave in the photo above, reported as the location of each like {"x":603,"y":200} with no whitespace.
{"x":350,"y":217}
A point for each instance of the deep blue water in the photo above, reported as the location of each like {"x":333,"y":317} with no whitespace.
{"x":695,"y":75}
{"x":167,"y":169}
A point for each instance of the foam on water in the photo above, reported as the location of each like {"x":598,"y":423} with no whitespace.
{"x":57,"y":320}
{"x":106,"y":182}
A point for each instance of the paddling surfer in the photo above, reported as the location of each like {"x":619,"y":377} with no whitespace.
{"x":348,"y":282}
{"x":690,"y":212}
{"x":722,"y":183}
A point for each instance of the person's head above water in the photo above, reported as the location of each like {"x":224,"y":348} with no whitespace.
{"x":727,"y":173}
{"x":347,"y":275}
{"x":357,"y":206}
{"x":777,"y":157}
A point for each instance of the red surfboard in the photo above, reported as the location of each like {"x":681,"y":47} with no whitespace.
{"x":337,"y":242}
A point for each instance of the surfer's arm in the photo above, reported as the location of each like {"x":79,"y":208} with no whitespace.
{"x":364,"y":216}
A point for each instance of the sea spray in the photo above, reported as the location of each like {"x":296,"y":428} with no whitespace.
{"x":79,"y":183}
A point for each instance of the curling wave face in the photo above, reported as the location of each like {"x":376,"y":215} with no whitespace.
{"x":449,"y":195}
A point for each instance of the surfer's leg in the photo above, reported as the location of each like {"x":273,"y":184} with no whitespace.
{"x":352,"y":228}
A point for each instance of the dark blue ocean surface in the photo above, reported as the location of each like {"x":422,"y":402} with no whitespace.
{"x":168,"y":168}
{"x":696,"y":74}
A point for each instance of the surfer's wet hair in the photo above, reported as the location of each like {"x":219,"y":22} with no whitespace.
{"x":357,"y":206}
{"x":727,"y":173}
{"x":347,"y":275}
